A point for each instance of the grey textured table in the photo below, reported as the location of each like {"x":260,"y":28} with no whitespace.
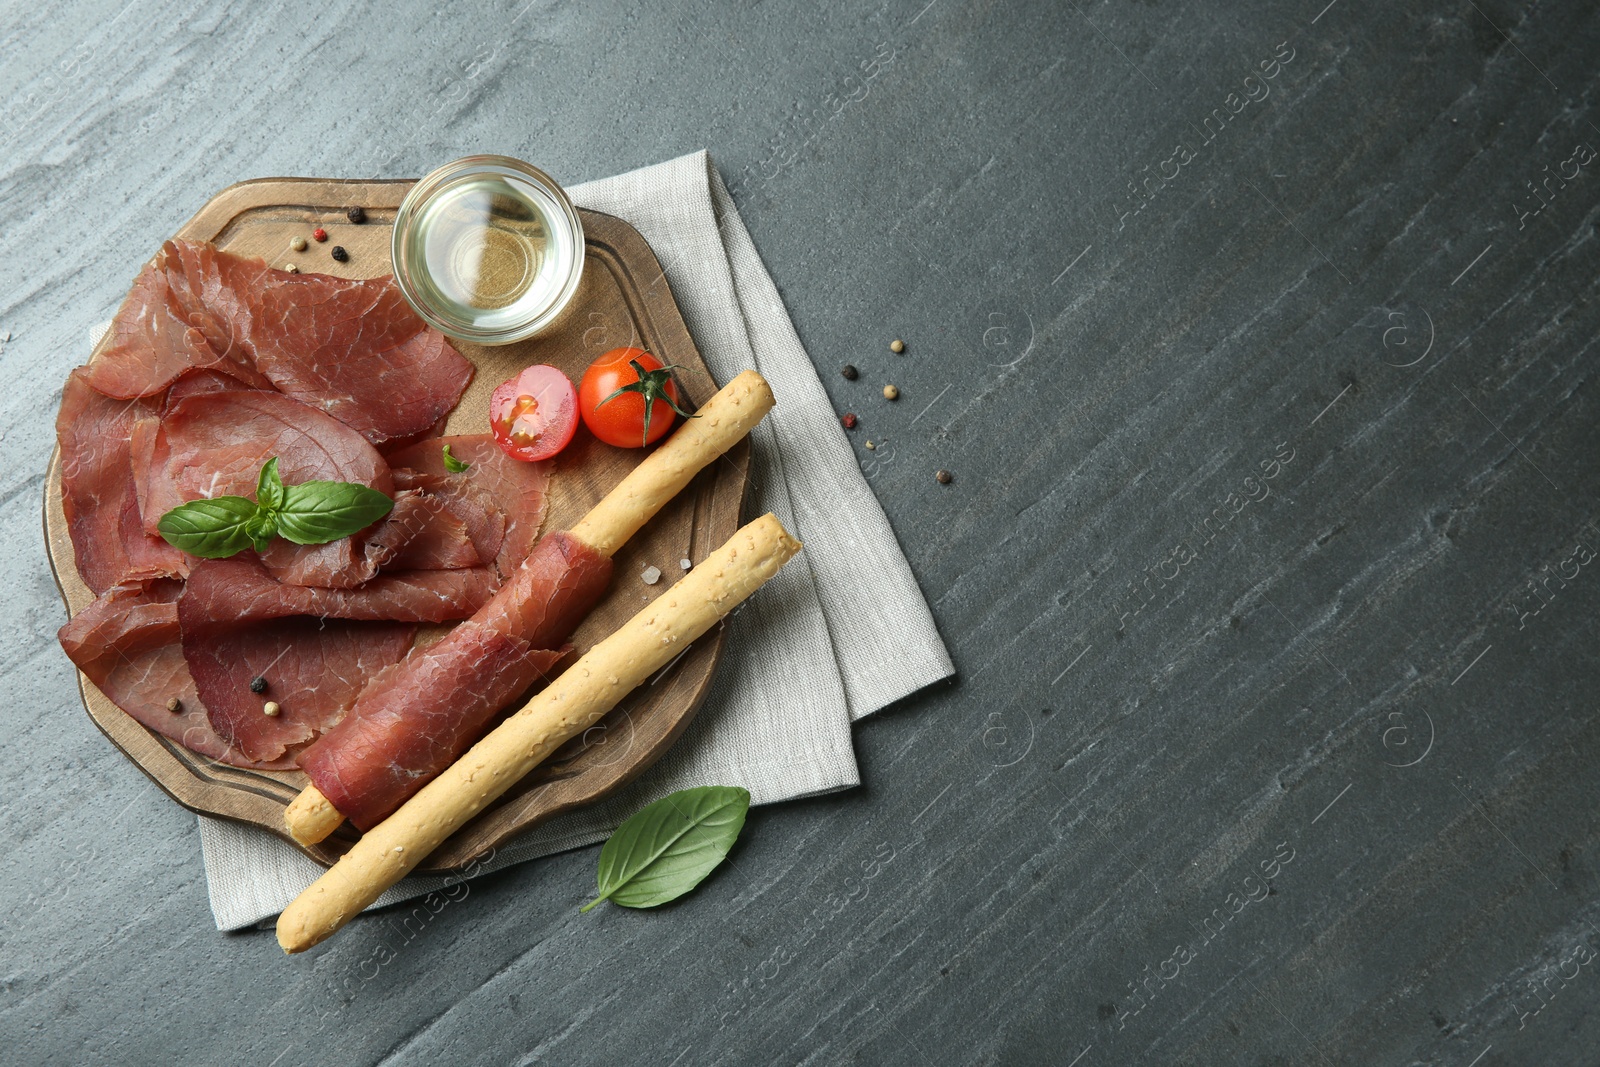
{"x":1260,"y":340}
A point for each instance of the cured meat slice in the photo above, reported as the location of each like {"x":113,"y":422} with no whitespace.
{"x":421,"y":713}
{"x":511,"y":486}
{"x":421,"y":534}
{"x":352,"y":348}
{"x":212,"y":444}
{"x":167,"y":326}
{"x":127,"y":643}
{"x":418,"y":718}
{"x":474,"y":508}
{"x":240,"y":590}
{"x":314,"y":669}
{"x":355,"y":348}
{"x":215,"y":443}
{"x":99,"y":496}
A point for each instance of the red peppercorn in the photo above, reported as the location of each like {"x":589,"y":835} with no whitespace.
{"x":319,"y":234}
{"x":849,"y":420}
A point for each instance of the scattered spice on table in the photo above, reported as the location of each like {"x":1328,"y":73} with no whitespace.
{"x":258,"y":684}
{"x":891,"y":393}
{"x":650,"y":575}
{"x":871,"y":447}
{"x":849,"y":420}
{"x":298,"y":244}
{"x":944,"y":477}
{"x":339,"y":253}
{"x":270,"y":709}
{"x":292,"y":269}
{"x":849,"y":371}
{"x":686,"y":563}
{"x":174,"y":705}
{"x":357,"y":215}
{"x":897,"y":346}
{"x":319,"y":235}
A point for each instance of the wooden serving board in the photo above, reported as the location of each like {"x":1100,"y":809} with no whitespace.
{"x":623,"y":300}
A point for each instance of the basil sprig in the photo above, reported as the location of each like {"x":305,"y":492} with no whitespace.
{"x":311,"y":513}
{"x":452,"y":464}
{"x":669,"y":847}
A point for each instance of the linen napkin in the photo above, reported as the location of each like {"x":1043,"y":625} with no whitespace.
{"x":842,"y":630}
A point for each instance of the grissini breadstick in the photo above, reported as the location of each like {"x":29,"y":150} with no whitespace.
{"x":722,"y":422}
{"x":588,"y":689}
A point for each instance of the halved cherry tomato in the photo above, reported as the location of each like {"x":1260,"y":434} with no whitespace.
{"x":534,"y":415}
{"x":612,"y":398}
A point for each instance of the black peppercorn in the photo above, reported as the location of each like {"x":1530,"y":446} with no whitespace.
{"x":944,"y":477}
{"x":258,"y":684}
{"x":357,"y":215}
{"x":849,"y":371}
{"x":339,"y":253}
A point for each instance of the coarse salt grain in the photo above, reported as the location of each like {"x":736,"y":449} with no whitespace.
{"x":686,"y":563}
{"x":651,"y":575}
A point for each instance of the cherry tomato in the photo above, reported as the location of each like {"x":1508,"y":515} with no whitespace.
{"x":535,"y":414}
{"x":612,"y":398}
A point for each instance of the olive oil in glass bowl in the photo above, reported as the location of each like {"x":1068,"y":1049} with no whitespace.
{"x":488,"y":249}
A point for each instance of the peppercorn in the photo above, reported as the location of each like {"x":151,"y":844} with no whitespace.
{"x":270,"y":709}
{"x":357,"y":215}
{"x":891,"y":393}
{"x":897,"y":346}
{"x":944,"y":477}
{"x":339,"y":253}
{"x":174,"y":705}
{"x":850,"y":373}
{"x":258,"y":684}
{"x":871,"y":447}
{"x":319,"y":235}
{"x":298,"y":244}
{"x":291,"y":269}
{"x":849,"y":420}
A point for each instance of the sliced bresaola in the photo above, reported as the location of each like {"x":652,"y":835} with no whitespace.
{"x":211,"y":444}
{"x":127,"y":643}
{"x":314,"y":670}
{"x":480,"y":515}
{"x":355,"y":348}
{"x":240,"y":590}
{"x":416,"y":719}
{"x":421,"y":534}
{"x":179,"y":317}
{"x":492,"y":479}
{"x":99,"y":496}
{"x":351,"y":347}
{"x":421,"y":713}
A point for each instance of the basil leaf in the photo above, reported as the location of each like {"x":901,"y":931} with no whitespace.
{"x":213,"y":528}
{"x":669,"y":847}
{"x":260,"y":529}
{"x":452,"y":464}
{"x":314,"y":513}
{"x":269,"y":488}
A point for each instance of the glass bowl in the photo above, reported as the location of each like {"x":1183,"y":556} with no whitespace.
{"x":488,"y":249}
